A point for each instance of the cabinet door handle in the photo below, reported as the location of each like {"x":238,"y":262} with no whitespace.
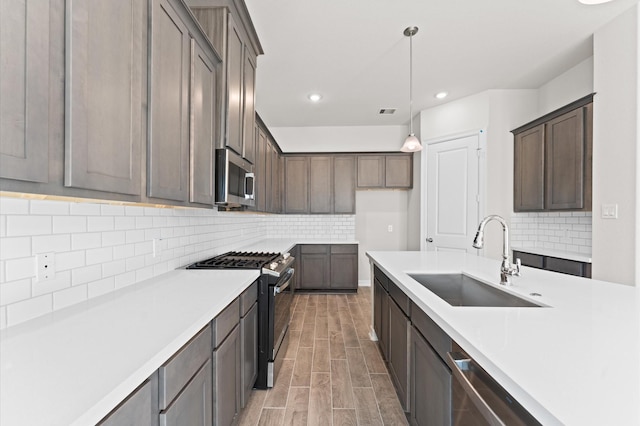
{"x":429,"y":240}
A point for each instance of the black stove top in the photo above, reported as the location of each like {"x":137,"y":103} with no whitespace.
{"x":236,"y":260}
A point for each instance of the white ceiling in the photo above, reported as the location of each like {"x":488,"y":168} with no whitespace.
{"x":354,"y":53}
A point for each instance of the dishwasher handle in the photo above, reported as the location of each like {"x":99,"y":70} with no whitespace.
{"x":460,"y":364}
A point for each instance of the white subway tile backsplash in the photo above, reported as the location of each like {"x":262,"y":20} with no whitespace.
{"x":69,"y":296}
{"x":43,"y":207}
{"x":69,"y":224}
{"x":567,"y":231}
{"x":18,"y":269}
{"x":16,"y":247}
{"x":62,"y":280}
{"x":99,"y":255}
{"x":100,"y":223}
{"x":115,"y":267}
{"x":103,"y":247}
{"x":86,"y":241}
{"x":85,"y":209}
{"x":126,"y":279}
{"x":86,"y":274}
{"x":13,"y":206}
{"x":15,"y":291}
{"x":111,"y":210}
{"x":51,"y":243}
{"x":100,"y":287}
{"x":28,"y":225}
{"x":29,"y":309}
{"x":113,"y":238}
{"x":70,"y":260}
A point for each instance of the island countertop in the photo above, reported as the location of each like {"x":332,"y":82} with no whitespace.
{"x":575,"y":361}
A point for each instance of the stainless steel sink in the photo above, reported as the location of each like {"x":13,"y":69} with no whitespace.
{"x":461,"y":290}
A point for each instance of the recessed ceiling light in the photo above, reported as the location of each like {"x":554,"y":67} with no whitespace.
{"x":441,"y":95}
{"x":315,"y":97}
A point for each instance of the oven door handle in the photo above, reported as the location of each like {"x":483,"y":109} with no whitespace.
{"x":286,"y":281}
{"x":459,"y":364}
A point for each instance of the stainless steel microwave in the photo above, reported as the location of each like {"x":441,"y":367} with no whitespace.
{"x":235,"y":180}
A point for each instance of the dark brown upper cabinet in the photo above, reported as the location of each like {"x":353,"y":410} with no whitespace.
{"x":379,"y":171}
{"x":233,"y":36}
{"x":552,"y":160}
{"x":105,"y":84}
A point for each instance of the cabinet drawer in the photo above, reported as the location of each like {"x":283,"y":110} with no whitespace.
{"x":565,"y":266}
{"x":225,"y":321}
{"x":176,"y":372}
{"x":140,"y":408}
{"x":248,"y":298}
{"x":528,"y":259}
{"x":314,"y":249}
{"x":194,"y":404}
{"x":398,"y":296}
{"x":440,"y":341}
{"x":384,"y":281}
{"x":344,"y":249}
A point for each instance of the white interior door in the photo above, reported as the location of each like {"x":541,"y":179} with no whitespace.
{"x":452,"y":194}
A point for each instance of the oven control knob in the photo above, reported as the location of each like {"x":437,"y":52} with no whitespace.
{"x":273,"y":265}
{"x":285,"y":256}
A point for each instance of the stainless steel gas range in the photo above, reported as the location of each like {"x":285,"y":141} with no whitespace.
{"x":275,"y":296}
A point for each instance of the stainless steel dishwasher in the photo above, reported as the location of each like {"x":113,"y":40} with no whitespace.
{"x":477,"y":399}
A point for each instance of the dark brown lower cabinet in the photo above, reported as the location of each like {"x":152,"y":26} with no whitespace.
{"x":193,"y":405}
{"x":249,"y":351}
{"x":328,"y":267}
{"x":399,"y":327}
{"x":226,"y":394}
{"x":315,"y":267}
{"x":381,"y":316}
{"x":138,"y":409}
{"x":430,"y":388}
{"x":555,"y":264}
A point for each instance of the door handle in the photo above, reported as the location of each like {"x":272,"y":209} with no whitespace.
{"x":429,"y":240}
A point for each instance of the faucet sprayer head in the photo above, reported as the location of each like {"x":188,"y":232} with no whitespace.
{"x":478,"y":241}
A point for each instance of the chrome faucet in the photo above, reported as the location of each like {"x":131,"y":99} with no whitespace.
{"x":506,"y":269}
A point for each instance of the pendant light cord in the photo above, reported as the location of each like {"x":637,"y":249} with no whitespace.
{"x":411,"y":84}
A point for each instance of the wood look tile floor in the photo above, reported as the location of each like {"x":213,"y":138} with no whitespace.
{"x":332,"y":374}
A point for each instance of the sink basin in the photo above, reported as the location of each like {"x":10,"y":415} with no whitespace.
{"x":461,"y":290}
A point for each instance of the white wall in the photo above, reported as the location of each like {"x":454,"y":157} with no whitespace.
{"x":497,"y":112}
{"x":340,"y":138}
{"x":375,"y":211}
{"x":616,"y":255}
{"x":569,"y":86}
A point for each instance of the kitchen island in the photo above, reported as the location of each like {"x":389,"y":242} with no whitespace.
{"x":574,"y":361}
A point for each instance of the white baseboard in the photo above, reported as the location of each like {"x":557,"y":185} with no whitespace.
{"x":364,"y":283}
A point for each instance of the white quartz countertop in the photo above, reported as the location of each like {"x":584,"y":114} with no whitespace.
{"x":574,"y":362}
{"x":72,"y":367}
{"x":560,"y":254}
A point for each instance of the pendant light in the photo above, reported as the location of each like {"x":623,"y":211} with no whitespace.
{"x":411,"y":144}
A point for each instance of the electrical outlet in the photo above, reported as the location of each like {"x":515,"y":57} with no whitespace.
{"x":46,"y":267}
{"x":390,"y":228}
{"x":157,"y":247}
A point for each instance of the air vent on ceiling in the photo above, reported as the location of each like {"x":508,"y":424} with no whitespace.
{"x":387,"y":111}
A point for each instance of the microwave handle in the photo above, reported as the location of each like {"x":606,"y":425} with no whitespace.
{"x":248,"y":176}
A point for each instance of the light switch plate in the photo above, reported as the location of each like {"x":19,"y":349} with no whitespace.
{"x":609,"y":211}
